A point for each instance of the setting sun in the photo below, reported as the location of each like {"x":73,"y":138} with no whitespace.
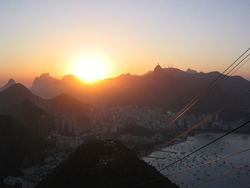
{"x":90,"y":68}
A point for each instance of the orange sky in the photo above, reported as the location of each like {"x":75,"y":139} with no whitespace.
{"x":129,"y":36}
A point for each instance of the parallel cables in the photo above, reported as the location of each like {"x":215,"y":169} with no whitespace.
{"x":218,"y":159}
{"x":220,"y":175}
{"x":205,"y":91}
{"x":195,"y":100}
{"x":198,"y":149}
{"x":207,"y":144}
{"x":201,"y":122}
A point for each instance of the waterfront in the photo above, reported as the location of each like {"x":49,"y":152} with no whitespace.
{"x":228,"y":145}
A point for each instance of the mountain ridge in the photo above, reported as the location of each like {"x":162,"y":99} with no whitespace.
{"x":10,"y":83}
{"x":42,"y":81}
{"x":26,"y":107}
{"x":16,"y":94}
{"x":67,"y":103}
{"x":167,"y":88}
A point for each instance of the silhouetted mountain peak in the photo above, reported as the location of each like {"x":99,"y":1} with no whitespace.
{"x":10,"y":83}
{"x":16,"y":94}
{"x":27,"y":102}
{"x":158,"y":68}
{"x":190,"y":71}
{"x":69,"y":76}
{"x":159,"y":74}
{"x":19,"y":88}
{"x":127,"y":75}
{"x":62,"y":97}
{"x":71,"y":79}
{"x":67,"y":103}
{"x":42,"y":81}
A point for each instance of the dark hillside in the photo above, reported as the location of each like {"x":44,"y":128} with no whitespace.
{"x":19,"y":148}
{"x":121,"y":169}
{"x":16,"y":94}
{"x":27,"y":113}
{"x":67,"y":103}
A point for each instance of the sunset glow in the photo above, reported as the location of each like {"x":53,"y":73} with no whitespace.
{"x":90,"y":68}
{"x":123,"y":37}
{"x":88,"y":86}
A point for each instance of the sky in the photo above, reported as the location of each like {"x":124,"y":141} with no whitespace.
{"x":131,"y":36}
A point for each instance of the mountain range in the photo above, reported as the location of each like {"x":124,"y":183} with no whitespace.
{"x":167,"y":88}
{"x":18,"y":101}
{"x":16,"y":93}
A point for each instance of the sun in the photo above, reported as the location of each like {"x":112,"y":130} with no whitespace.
{"x":90,"y":68}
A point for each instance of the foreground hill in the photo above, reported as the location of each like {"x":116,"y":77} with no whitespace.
{"x":103,"y":164}
{"x":19,"y":148}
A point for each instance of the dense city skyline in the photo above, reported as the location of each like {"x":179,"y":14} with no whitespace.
{"x":121,"y":37}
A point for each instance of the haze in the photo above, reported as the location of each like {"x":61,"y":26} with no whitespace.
{"x":129,"y":36}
